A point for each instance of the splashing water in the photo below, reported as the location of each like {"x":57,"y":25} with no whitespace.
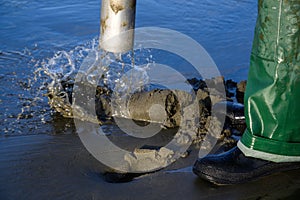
{"x":51,"y":79}
{"x":114,"y":72}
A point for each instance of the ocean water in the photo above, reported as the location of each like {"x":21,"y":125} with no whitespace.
{"x":36,"y":33}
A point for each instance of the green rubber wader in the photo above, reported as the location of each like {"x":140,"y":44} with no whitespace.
{"x":272,"y":99}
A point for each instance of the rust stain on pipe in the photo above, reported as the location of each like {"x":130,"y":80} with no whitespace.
{"x":124,"y":24}
{"x":103,"y":24}
{"x":116,"y":6}
{"x":133,"y":4}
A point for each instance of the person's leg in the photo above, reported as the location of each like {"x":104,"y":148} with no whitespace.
{"x":272,"y":107}
{"x":271,"y":142}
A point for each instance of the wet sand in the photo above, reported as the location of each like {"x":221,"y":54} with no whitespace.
{"x":59,"y":167}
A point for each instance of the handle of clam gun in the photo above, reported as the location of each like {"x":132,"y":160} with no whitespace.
{"x":117,"y":25}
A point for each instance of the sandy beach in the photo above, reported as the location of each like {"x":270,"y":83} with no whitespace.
{"x":59,"y":167}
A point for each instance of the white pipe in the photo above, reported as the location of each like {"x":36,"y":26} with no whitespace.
{"x":117,"y":25}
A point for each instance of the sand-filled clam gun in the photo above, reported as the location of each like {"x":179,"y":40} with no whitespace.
{"x":117,"y":25}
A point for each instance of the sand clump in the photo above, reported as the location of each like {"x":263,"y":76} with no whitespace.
{"x":210,"y":110}
{"x":166,"y":106}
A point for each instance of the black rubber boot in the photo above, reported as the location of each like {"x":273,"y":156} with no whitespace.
{"x":233,"y":167}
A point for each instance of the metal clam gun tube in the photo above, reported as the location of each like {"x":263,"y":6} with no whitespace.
{"x":117,"y":25}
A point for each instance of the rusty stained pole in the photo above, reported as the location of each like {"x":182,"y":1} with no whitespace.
{"x":117,"y":25}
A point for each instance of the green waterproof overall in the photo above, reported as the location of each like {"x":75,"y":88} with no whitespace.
{"x":272,"y":99}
